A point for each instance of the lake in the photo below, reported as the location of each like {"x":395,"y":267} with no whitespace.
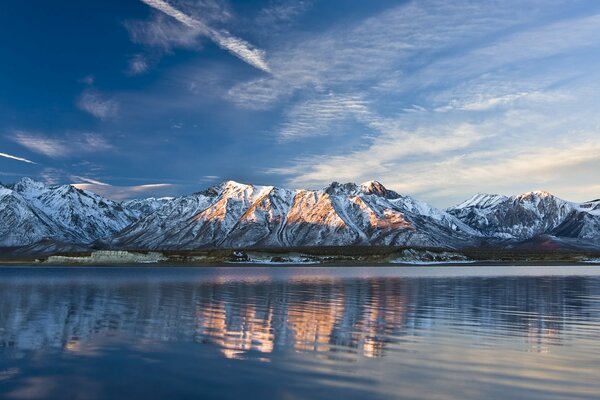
{"x":300,"y":333}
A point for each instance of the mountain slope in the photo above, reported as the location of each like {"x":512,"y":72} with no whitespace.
{"x":143,"y":207}
{"x":238,"y":215}
{"x":21,"y":224}
{"x":83,"y":216}
{"x":234,"y":215}
{"x":529,"y":215}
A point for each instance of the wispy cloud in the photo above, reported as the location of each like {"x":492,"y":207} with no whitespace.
{"x":41,"y":144}
{"x":282,"y":11}
{"x":120,"y":193}
{"x":516,"y":150}
{"x":88,"y":180}
{"x":236,"y":46}
{"x":373,"y":52}
{"x":319,"y":116}
{"x":59,"y":147}
{"x":52,"y":176}
{"x":163,"y":33}
{"x":383,"y":158}
{"x":279,"y":15}
{"x":138,"y":64}
{"x":5,"y":155}
{"x":516,"y":84}
{"x":94,"y":103}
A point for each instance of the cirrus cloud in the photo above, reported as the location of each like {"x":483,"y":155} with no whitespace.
{"x":61,"y":146}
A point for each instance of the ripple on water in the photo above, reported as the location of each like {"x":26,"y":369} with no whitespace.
{"x":301,"y":333}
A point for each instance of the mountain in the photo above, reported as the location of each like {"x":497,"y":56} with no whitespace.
{"x":156,"y":229}
{"x":143,"y":207}
{"x":38,"y":217}
{"x":238,"y":215}
{"x":529,"y":215}
{"x":591,"y":206}
{"x":83,"y":216}
{"x":22,"y":224}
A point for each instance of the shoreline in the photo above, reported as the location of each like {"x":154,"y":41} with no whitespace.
{"x":307,"y":257}
{"x":333,"y":264}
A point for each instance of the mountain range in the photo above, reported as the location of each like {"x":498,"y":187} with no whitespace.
{"x":41,"y":218}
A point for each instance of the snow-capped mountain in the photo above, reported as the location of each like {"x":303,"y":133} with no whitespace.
{"x":592,"y":207}
{"x":529,"y":215}
{"x":83,"y":216}
{"x":234,"y":215}
{"x":21,"y":224}
{"x":238,"y":215}
{"x":154,"y":229}
{"x":143,"y":207}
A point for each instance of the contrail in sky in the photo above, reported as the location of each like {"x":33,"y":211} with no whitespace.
{"x":17,"y":158}
{"x":236,"y":46}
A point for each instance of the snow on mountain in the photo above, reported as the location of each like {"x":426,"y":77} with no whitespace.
{"x":83,"y":216}
{"x":528,"y":215}
{"x":482,"y":200}
{"x":157,"y":229}
{"x":143,"y":207}
{"x":238,"y":215}
{"x":201,"y":220}
{"x":21,"y":224}
{"x":592,"y":207}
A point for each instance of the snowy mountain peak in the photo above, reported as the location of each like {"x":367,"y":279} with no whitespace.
{"x":234,"y":185}
{"x":80,"y":216}
{"x":536,"y":194}
{"x":4,"y":191}
{"x":377,"y":188}
{"x":352,"y":189}
{"x":234,"y":214}
{"x":338,"y":189}
{"x":518,"y":217}
{"x":482,"y":200}
{"x":29,"y":187}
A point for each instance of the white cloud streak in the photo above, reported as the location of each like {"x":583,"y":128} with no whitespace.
{"x":94,"y":103}
{"x":236,"y":46}
{"x":5,"y":155}
{"x":61,"y":147}
{"x":120,"y":193}
{"x":25,"y":160}
{"x":88,"y":180}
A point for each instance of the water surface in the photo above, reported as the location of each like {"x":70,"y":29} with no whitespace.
{"x":300,"y":333}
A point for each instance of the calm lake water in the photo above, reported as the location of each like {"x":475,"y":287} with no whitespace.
{"x":300,"y":333}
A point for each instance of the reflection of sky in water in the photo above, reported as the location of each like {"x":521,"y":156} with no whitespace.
{"x":360,"y":331}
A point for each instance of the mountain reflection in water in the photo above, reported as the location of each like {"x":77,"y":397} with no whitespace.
{"x":259,"y":313}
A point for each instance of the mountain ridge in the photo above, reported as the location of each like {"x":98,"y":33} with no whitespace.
{"x":237,"y":215}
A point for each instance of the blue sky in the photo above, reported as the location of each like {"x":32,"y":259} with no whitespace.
{"x":435,"y":99}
